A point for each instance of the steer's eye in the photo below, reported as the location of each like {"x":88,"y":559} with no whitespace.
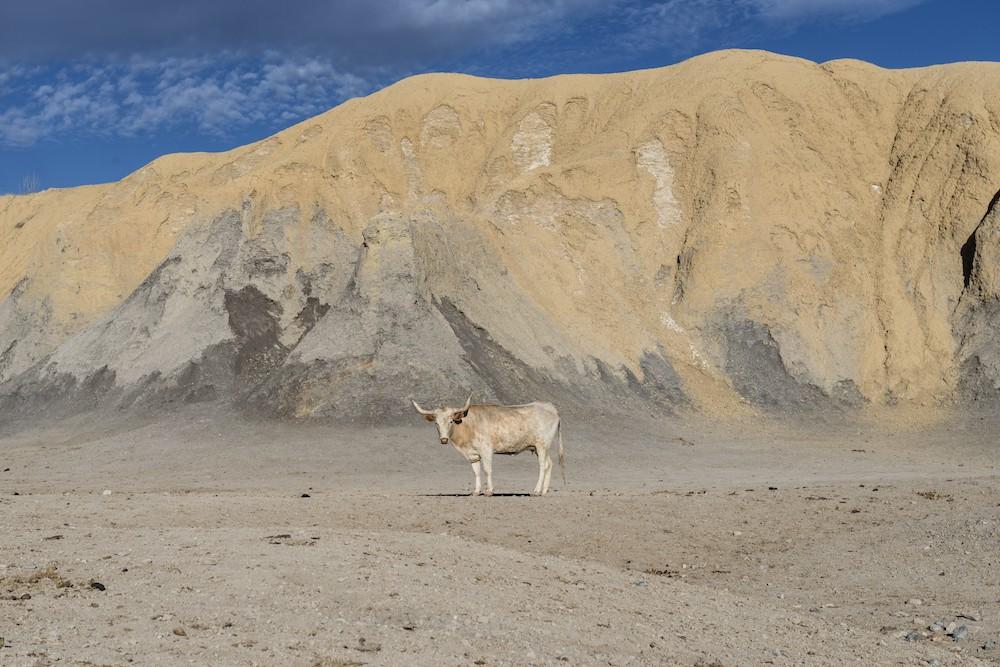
{"x":456,"y":421}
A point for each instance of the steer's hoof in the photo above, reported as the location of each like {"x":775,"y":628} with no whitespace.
{"x":489,"y":492}
{"x":477,"y":493}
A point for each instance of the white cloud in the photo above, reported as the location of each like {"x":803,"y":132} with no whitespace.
{"x":863,"y":10}
{"x":682,"y":26}
{"x":679,"y":25}
{"x":215,"y":94}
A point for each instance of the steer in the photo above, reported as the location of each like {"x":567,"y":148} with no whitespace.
{"x":480,"y":431}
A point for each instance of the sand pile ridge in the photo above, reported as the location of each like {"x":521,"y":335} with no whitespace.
{"x":740,"y":232}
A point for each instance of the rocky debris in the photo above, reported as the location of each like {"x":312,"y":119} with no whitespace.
{"x":939,"y":630}
{"x":97,"y":586}
{"x":335,"y":662}
{"x":364,"y":646}
{"x":279,"y":536}
{"x":286,"y":539}
{"x":180,"y":632}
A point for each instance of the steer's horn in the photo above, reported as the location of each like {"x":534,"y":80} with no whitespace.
{"x":420,"y":409}
{"x":468,"y":402}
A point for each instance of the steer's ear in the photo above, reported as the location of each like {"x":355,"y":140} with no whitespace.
{"x":428,"y":414}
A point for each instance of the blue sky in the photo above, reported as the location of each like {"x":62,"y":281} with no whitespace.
{"x":92,"y":90}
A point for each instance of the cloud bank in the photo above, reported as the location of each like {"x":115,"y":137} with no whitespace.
{"x":358,"y":33}
{"x":355,"y":32}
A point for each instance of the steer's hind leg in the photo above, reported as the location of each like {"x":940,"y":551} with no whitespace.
{"x":479,"y":484}
{"x":543,"y":456}
{"x":548,"y":472}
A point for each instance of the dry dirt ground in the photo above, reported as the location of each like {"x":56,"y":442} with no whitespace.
{"x":188,"y":540}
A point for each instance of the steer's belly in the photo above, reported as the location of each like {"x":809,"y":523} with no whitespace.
{"x":511,"y":448}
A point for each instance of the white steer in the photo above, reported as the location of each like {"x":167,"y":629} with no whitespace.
{"x":480,"y":431}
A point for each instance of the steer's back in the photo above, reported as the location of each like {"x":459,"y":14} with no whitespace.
{"x":515,"y":428}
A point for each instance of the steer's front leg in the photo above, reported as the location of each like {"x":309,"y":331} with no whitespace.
{"x":479,"y":484}
{"x":488,"y":469}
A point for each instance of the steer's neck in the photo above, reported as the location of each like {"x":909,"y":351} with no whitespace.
{"x":461,"y":434}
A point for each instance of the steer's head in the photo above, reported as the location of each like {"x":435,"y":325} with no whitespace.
{"x":445,"y":418}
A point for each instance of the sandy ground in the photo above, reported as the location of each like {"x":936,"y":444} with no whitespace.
{"x":671,"y":545}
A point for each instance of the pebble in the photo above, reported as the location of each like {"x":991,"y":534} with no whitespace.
{"x":106,"y":492}
{"x":959,"y":633}
{"x":97,"y":586}
{"x":913,"y":636}
{"x":914,"y":602}
{"x":934,"y":662}
{"x":990,"y":645}
{"x":180,"y":632}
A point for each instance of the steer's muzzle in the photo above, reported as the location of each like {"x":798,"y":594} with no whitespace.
{"x":444,"y":441}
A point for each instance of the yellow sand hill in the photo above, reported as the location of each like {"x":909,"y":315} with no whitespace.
{"x":742,"y":230}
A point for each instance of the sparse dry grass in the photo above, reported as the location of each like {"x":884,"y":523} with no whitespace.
{"x":50,"y":572}
{"x":935,"y":495}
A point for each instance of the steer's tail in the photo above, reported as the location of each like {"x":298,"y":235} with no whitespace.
{"x":562,"y":453}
